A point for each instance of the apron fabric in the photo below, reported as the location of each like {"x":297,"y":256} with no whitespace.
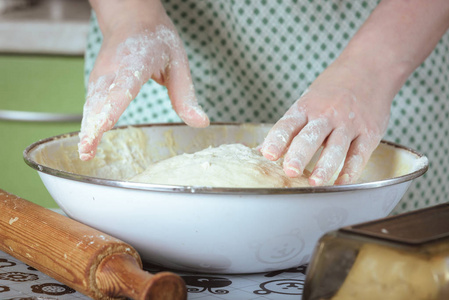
{"x":251,"y":60}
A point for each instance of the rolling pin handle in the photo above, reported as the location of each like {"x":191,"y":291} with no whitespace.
{"x":120,"y":275}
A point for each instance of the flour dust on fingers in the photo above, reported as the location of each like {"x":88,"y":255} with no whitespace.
{"x":144,"y":56}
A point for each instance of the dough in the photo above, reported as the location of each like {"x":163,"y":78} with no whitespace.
{"x":121,"y":154}
{"x":385,"y":273}
{"x":229,"y":165}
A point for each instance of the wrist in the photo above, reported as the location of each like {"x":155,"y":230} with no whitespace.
{"x":115,"y":14}
{"x":381,"y":68}
{"x":395,"y":39}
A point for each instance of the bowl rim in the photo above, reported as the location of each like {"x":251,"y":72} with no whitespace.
{"x":213,"y":190}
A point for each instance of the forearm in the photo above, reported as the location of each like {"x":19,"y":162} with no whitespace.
{"x":112,"y":14}
{"x":397,"y":38}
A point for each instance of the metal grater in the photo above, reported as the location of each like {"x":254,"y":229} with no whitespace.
{"x":399,"y":257}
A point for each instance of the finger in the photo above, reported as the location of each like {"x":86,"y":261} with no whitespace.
{"x":305,"y":145}
{"x":181,"y":91}
{"x":356,"y":159}
{"x":123,"y":90}
{"x":93,"y":116}
{"x":104,"y":107}
{"x":331,"y":158}
{"x":283,"y":132}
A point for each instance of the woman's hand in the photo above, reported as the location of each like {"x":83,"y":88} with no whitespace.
{"x":140,"y":42}
{"x":346,"y":109}
{"x":341,"y":111}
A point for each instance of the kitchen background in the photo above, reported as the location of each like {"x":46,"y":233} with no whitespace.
{"x":42,"y":44}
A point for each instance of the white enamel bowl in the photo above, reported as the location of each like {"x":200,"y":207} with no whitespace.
{"x":217,"y":230}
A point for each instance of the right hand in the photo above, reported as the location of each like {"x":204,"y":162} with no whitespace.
{"x":141,"y":43}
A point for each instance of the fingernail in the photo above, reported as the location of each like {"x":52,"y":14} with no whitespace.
{"x":293,"y":168}
{"x":86,"y":156}
{"x":316,"y":181}
{"x":317,"y":177}
{"x":271,"y":152}
{"x":194,"y":116}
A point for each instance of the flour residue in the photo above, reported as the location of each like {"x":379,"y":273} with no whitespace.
{"x":120,"y":155}
{"x":139,"y":57}
{"x":13,"y":220}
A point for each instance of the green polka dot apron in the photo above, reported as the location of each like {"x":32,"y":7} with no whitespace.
{"x":250,"y":61}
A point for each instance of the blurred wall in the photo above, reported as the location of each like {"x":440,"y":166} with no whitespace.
{"x":41,"y":71}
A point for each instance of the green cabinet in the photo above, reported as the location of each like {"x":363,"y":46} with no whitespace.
{"x":36,"y":84}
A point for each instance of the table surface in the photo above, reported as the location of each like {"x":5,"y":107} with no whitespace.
{"x":19,"y":281}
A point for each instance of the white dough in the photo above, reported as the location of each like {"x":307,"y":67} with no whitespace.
{"x":229,"y":165}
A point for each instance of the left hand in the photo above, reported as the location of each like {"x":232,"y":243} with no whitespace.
{"x":345,"y":111}
{"x":347,"y":108}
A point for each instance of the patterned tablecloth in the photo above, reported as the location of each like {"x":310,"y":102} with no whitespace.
{"x":20,"y":281}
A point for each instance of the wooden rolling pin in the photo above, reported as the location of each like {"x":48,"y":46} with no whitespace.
{"x":89,"y":261}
